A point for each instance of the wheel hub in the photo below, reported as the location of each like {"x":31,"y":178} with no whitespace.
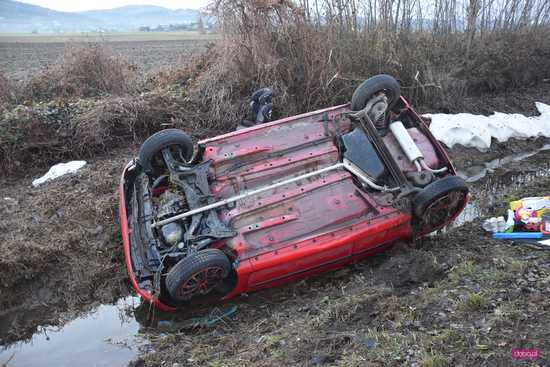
{"x":202,"y":282}
{"x":441,"y":210}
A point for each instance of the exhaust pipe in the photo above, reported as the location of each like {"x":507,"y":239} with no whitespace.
{"x":409,"y":147}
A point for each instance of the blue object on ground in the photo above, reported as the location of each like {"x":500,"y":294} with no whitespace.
{"x":517,"y":235}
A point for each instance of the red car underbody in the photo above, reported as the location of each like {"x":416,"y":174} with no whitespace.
{"x":306,"y":227}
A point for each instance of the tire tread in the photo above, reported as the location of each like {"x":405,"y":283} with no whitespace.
{"x":435,"y":190}
{"x":156,"y":142}
{"x":369,"y":87}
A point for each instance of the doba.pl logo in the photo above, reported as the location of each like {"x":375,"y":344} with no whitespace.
{"x":525,"y":353}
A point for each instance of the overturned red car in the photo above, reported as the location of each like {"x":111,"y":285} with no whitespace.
{"x":282,"y":200}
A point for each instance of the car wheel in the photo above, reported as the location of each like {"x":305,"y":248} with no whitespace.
{"x":197,"y":274}
{"x":439,"y":202}
{"x":372,"y":87}
{"x":151,"y":158}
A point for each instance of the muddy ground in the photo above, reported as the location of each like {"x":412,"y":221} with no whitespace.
{"x":458,"y":298}
{"x":60,"y":248}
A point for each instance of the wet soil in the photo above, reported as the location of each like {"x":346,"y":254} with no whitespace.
{"x":60,"y":248}
{"x":457,"y":298}
{"x":470,"y":159}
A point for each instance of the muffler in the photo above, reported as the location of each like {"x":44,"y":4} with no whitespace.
{"x":409,"y":147}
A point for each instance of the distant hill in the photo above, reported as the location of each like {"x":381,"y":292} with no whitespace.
{"x":20,"y":17}
{"x":133,"y":16}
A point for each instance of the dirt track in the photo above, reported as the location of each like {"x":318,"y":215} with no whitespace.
{"x":457,"y":298}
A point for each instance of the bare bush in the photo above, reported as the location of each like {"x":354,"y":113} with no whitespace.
{"x":130,"y":119}
{"x":507,"y":60}
{"x":268,"y":43}
{"x":314,"y":53}
{"x":47,"y":133}
{"x":86,"y":70}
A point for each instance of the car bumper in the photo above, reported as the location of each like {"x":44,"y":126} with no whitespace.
{"x":144,"y":294}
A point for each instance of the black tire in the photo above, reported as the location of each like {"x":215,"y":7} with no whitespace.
{"x":370,"y":87}
{"x":190,"y":270}
{"x":449,"y":193}
{"x":154,"y":144}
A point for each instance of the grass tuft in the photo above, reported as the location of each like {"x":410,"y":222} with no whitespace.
{"x":434,"y":360}
{"x":474,"y":302}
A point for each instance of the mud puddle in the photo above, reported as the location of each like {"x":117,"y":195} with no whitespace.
{"x":107,"y":336}
{"x":492,"y":182}
{"x":110,"y":335}
{"x":478,"y":172}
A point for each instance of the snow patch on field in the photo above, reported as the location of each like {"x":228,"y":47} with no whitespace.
{"x":59,"y":170}
{"x":476,"y":130}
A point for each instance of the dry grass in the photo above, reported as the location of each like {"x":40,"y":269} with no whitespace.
{"x":473,"y":302}
{"x":5,"y":90}
{"x":86,"y":70}
{"x":308,"y":64}
{"x":434,"y":360}
{"x":56,"y":228}
{"x":61,"y":247}
{"x":44,"y":134}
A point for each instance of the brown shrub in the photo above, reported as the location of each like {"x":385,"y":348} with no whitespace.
{"x":127,"y":120}
{"x":86,"y":70}
{"x":30,"y":137}
{"x":314,"y":63}
{"x":508,"y":60}
{"x":308,"y":63}
{"x":48,"y":133}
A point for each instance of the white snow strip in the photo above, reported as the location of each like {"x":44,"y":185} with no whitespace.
{"x":59,"y":170}
{"x":476,"y":130}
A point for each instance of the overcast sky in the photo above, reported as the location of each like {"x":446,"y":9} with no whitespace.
{"x":75,"y":5}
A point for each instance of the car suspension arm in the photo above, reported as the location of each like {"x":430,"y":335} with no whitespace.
{"x":368,"y":127}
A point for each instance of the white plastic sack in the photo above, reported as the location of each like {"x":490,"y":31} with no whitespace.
{"x":59,"y":170}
